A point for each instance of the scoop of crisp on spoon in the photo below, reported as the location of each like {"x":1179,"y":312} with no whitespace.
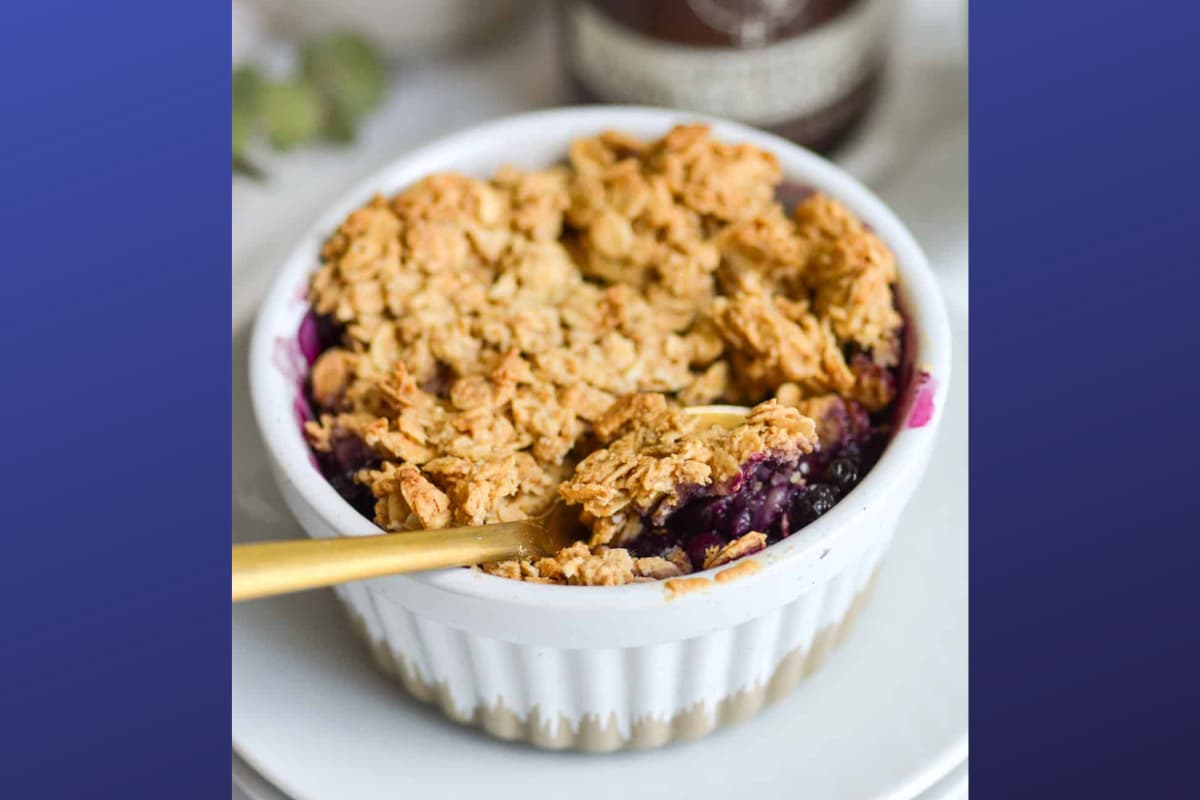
{"x":262,"y":569}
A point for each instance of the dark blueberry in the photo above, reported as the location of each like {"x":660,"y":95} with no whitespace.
{"x":842,"y":472}
{"x":820,"y":497}
{"x":352,"y":453}
{"x":653,"y":542}
{"x":329,"y":332}
{"x":768,"y":511}
{"x":354,"y":493}
{"x":814,"y":501}
{"x":872,"y":449}
{"x":343,"y":482}
{"x":700,"y":514}
{"x":697,"y":545}
{"x":715,"y":515}
{"x":688,"y":518}
{"x":741,"y":522}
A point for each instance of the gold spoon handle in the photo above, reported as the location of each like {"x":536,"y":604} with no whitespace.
{"x":262,"y":569}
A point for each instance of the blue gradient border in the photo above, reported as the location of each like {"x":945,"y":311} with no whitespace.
{"x":116,"y":393}
{"x":117,"y":397}
{"x":1084,"y":286}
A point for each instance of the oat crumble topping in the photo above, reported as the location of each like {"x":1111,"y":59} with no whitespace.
{"x":503,"y":343}
{"x":657,"y":453}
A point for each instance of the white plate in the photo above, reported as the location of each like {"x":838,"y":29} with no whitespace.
{"x":249,"y":785}
{"x":886,"y":717}
{"x":952,"y":787}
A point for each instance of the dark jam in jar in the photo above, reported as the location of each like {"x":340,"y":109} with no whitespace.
{"x":805,"y":69}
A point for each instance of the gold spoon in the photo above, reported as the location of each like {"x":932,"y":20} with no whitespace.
{"x":262,"y":569}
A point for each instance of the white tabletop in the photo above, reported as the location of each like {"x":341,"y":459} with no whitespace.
{"x":912,"y":151}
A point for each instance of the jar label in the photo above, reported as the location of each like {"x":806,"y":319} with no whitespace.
{"x":763,"y":86}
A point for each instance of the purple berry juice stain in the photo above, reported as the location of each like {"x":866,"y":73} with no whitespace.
{"x":289,"y":360}
{"x":308,"y":338}
{"x":924,"y":387}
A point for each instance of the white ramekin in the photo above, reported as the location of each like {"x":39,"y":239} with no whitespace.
{"x":601,"y":668}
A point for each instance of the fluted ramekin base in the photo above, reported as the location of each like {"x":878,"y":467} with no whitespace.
{"x":593,"y":732}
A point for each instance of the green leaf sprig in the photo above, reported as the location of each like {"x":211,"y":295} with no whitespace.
{"x":341,"y":79}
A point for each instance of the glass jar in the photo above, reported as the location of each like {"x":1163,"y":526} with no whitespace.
{"x":806,"y":69}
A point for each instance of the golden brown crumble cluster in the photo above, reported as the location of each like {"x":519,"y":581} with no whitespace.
{"x":490,"y":328}
{"x":653,"y":449}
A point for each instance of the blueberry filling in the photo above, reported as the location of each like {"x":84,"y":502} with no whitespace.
{"x":770,"y":496}
{"x":348,"y":454}
{"x":329,"y":332}
{"x":842,"y":473}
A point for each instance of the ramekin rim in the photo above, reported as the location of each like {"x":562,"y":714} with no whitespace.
{"x":924,"y":307}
